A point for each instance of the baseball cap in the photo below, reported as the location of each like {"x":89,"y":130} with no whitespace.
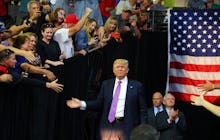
{"x":3,"y":29}
{"x":127,"y":9}
{"x":71,"y":18}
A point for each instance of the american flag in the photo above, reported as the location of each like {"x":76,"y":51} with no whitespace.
{"x":194,"y":53}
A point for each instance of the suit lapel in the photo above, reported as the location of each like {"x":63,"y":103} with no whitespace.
{"x":110,"y":89}
{"x":129,"y":88}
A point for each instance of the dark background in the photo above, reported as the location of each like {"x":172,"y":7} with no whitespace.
{"x":148,"y":64}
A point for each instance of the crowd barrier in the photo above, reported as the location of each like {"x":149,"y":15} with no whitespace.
{"x":51,"y":119}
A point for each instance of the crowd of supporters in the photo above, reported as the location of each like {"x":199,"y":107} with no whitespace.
{"x":45,"y":34}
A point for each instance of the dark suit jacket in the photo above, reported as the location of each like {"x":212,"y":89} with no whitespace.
{"x":151,"y":118}
{"x":135,"y":111}
{"x":173,"y":131}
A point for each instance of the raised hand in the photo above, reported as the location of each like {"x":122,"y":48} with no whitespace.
{"x":88,"y":10}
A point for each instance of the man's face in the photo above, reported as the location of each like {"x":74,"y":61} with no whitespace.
{"x":169,"y":101}
{"x":125,"y":15}
{"x":120,"y":70}
{"x":34,"y":9}
{"x":157,"y":99}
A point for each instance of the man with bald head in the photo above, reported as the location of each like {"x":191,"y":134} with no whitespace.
{"x":157,"y":100}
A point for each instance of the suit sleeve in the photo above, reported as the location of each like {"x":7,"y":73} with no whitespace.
{"x":98,"y":103}
{"x":181,"y":124}
{"x":142,"y":105}
{"x":161,"y":121}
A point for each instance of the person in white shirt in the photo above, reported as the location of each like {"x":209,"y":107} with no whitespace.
{"x":64,"y":35}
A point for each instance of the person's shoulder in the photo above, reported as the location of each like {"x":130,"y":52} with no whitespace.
{"x":150,"y":109}
{"x":135,"y":81}
{"x":54,"y":42}
{"x":61,"y":30}
{"x":81,"y":32}
{"x":21,"y":58}
{"x":40,"y":43}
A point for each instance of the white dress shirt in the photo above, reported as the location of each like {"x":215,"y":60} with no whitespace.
{"x":121,"y":99}
{"x":158,"y":109}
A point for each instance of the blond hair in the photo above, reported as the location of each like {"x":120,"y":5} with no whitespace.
{"x":32,"y":2}
{"x":86,"y":27}
{"x":107,"y":24}
{"x":121,"y":61}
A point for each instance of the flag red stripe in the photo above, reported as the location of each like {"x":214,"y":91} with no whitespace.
{"x":186,"y":97}
{"x":189,"y":81}
{"x":194,"y":67}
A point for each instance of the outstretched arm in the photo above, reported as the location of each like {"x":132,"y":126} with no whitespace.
{"x":200,"y":101}
{"x":80,"y":23}
{"x":38,"y":70}
{"x":208,"y":86}
{"x":29,"y":55}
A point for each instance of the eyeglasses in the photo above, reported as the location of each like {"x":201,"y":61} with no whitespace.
{"x":47,"y":25}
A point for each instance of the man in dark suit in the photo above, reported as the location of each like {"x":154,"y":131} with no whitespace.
{"x":170,"y":122}
{"x":130,"y":109}
{"x":157,"y":100}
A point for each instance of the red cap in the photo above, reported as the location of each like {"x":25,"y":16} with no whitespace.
{"x":71,"y":18}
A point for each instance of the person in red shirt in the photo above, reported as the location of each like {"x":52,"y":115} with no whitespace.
{"x":3,"y":10}
{"x":106,"y":7}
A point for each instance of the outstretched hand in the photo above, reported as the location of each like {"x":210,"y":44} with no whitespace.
{"x":73,"y":103}
{"x":207,"y":86}
{"x":55,"y":86}
{"x":197,"y":100}
{"x":6,"y":78}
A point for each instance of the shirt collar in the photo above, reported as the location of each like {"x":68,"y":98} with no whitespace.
{"x":125,"y":79}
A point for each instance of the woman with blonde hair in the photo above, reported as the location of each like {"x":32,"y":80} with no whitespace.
{"x":85,"y":38}
{"x":107,"y":31}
